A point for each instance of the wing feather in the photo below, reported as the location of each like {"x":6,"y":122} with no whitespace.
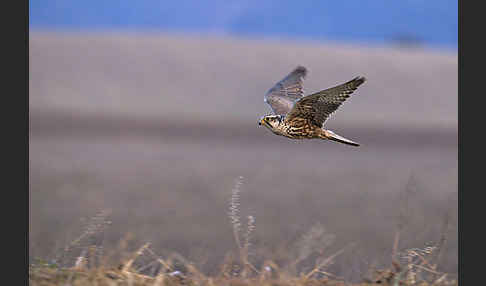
{"x":316,"y":108}
{"x":282,"y":96}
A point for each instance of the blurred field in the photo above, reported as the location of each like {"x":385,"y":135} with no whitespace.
{"x":156,"y":128}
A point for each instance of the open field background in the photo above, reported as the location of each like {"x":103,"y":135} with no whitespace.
{"x":157,"y":128}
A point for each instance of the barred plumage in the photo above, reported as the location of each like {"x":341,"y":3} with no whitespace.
{"x":302,"y":117}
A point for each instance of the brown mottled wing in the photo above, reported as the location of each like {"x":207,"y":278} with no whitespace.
{"x":282,"y":96}
{"x":317,"y":107}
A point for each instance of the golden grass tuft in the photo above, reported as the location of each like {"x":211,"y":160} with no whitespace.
{"x":88,"y":265}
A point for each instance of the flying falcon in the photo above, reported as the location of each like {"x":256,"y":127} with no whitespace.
{"x":302,"y":117}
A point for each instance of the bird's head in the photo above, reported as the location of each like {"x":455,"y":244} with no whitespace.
{"x":270,"y":121}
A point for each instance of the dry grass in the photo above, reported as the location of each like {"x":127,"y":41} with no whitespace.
{"x":47,"y":276}
{"x":176,"y":270}
{"x":87,"y":266}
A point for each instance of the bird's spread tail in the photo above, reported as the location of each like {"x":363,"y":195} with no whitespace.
{"x":334,"y":137}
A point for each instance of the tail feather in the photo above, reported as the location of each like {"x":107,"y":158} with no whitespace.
{"x":334,"y":137}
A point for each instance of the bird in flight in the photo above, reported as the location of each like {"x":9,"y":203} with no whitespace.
{"x":302,"y":117}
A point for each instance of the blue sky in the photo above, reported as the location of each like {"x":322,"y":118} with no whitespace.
{"x":432,"y":22}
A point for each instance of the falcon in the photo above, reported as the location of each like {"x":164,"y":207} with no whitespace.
{"x":302,"y":117}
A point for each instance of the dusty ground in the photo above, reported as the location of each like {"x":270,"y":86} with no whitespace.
{"x":157,"y":128}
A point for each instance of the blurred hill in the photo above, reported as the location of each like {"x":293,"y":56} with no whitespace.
{"x":223,"y":80}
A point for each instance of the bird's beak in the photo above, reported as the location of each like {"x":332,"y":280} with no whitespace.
{"x":261,"y":122}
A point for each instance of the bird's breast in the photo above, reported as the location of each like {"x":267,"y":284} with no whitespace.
{"x":301,"y":132}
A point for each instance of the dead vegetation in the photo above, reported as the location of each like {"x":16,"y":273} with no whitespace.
{"x":82,"y":261}
{"x":147,"y":268}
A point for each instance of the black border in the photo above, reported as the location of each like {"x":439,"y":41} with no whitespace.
{"x":20,"y":92}
{"x":470,"y":141}
{"x":15,"y":139}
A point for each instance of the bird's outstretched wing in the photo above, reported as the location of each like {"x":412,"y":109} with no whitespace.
{"x":282,"y":96}
{"x":317,"y":107}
